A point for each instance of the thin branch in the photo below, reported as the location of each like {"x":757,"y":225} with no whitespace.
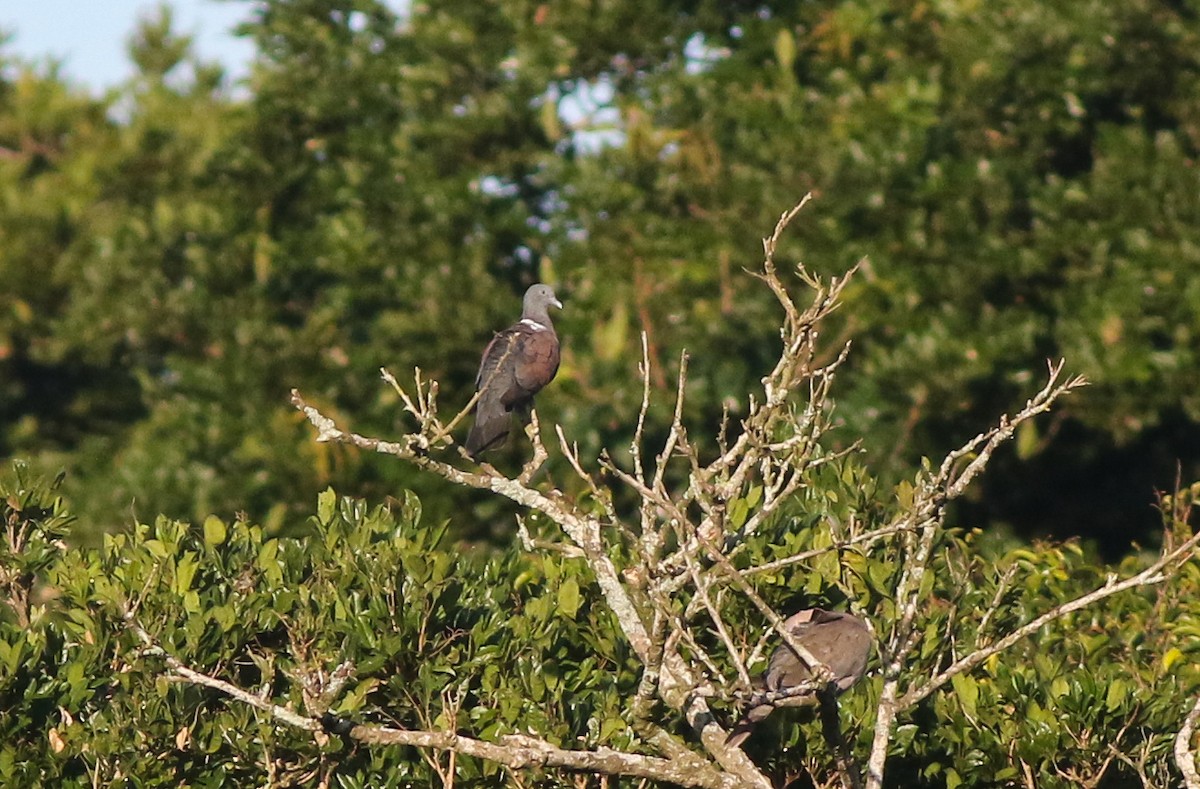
{"x":718,"y":623}
{"x":815,"y":667}
{"x":925,"y":514}
{"x":539,"y":456}
{"x":521,"y":751}
{"x":678,"y":682}
{"x":517,"y":751}
{"x":643,"y":700}
{"x":674,"y":435}
{"x":1002,"y":587}
{"x":1154,"y":574}
{"x":179,"y":669}
{"x":681,"y":633}
{"x":583,"y":530}
{"x":864,"y":539}
{"x":635,"y":447}
{"x":1038,"y":404}
{"x":571,"y":453}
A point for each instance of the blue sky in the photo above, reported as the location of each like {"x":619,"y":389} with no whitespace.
{"x":89,"y":36}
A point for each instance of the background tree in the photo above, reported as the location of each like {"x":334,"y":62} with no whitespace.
{"x":1022,"y":180}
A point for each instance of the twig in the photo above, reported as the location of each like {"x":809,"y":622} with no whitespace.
{"x":815,"y":667}
{"x":864,"y":539}
{"x":539,"y":456}
{"x":718,"y":623}
{"x":925,"y":514}
{"x":518,"y":751}
{"x":676,"y":431}
{"x":635,"y":446}
{"x":1151,"y":575}
{"x":179,"y":669}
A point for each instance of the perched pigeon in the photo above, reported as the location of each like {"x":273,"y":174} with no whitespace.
{"x":842,"y":642}
{"x":516,"y":364}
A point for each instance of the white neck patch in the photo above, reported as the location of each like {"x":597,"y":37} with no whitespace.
{"x":531,"y":323}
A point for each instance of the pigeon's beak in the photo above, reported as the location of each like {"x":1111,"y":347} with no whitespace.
{"x":556,"y":303}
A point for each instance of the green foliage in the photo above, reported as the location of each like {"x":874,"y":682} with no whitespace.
{"x":488,"y":645}
{"x":1097,"y":693}
{"x":438,"y":639}
{"x":1062,"y":703}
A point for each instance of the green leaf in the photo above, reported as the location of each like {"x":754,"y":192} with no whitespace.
{"x":739,"y":510}
{"x":609,"y":727}
{"x":214,"y":530}
{"x":967,"y":691}
{"x":225,"y":617}
{"x":326,"y":505}
{"x":828,"y":565}
{"x":185,"y":571}
{"x":928,"y":579}
{"x":568,"y":598}
{"x":1117,"y":692}
{"x":157,"y":549}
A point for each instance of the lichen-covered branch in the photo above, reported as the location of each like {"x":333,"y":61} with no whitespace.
{"x":1185,"y":760}
{"x":518,"y":751}
{"x":1154,"y":574}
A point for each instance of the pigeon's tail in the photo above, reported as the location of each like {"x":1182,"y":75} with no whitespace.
{"x":491,"y":426}
{"x":741,"y":730}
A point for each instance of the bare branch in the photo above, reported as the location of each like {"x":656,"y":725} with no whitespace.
{"x":635,"y":447}
{"x":678,"y":681}
{"x":925,"y":514}
{"x":177,"y":668}
{"x":582,"y":529}
{"x":571,"y":453}
{"x":990,"y":441}
{"x":518,"y":751}
{"x":815,"y":667}
{"x":675,"y":434}
{"x":718,"y":623}
{"x":538,"y":459}
{"x":1154,"y":574}
{"x":682,"y":542}
{"x":865,"y":539}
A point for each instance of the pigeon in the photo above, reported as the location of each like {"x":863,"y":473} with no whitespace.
{"x":842,"y":642}
{"x":516,"y":364}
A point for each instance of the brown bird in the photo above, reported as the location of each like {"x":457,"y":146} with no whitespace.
{"x":842,"y":642}
{"x":516,"y":364}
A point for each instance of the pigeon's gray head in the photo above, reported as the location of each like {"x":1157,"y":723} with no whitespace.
{"x":538,"y":299}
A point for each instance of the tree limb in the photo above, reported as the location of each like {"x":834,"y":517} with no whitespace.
{"x":1185,"y":760}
